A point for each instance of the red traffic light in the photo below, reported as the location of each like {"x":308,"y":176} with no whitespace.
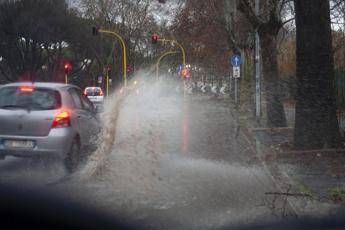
{"x":185,"y":73}
{"x":154,"y":38}
{"x":67,"y":67}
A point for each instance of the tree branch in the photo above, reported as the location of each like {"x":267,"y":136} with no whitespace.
{"x":245,"y":7}
{"x":289,"y":20}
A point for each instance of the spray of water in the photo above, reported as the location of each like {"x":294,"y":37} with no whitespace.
{"x":105,"y":140}
{"x":145,"y":167}
{"x":109,"y":118}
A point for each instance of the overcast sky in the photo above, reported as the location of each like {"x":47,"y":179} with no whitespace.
{"x":165,"y":12}
{"x":161,"y":12}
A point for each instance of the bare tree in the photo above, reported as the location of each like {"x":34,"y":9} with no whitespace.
{"x":237,"y":22}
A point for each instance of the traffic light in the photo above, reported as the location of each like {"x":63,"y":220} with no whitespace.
{"x":154,"y":38}
{"x":94,"y":31}
{"x":67,"y":67}
{"x":185,"y":72}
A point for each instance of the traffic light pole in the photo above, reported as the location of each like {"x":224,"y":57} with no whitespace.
{"x":124,"y":52}
{"x":66,"y":78}
{"x":107,"y":83}
{"x":159,"y":60}
{"x":181,"y":47}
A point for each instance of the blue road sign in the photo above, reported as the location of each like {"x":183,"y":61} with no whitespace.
{"x":236,"y":60}
{"x":179,"y":69}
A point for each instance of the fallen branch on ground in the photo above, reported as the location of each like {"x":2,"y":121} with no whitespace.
{"x":287,"y":194}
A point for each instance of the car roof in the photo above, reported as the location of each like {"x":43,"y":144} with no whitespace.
{"x":52,"y":85}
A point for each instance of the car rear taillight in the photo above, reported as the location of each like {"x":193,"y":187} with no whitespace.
{"x":62,"y":119}
{"x":101,"y":93}
{"x":26,"y":89}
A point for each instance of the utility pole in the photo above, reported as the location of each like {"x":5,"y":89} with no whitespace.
{"x":257,"y":68}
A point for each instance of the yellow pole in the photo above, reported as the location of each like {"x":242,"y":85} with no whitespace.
{"x":183,"y":57}
{"x":181,"y":47}
{"x":123,"y":49}
{"x":159,"y":60}
{"x":107,"y":83}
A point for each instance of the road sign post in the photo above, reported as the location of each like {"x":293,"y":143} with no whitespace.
{"x":236,"y":75}
{"x":236,"y":91}
{"x":236,"y":62}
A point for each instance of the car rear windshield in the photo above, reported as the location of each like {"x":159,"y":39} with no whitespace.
{"x":93,"y":92}
{"x":30,"y":98}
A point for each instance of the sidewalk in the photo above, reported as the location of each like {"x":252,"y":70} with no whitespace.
{"x":313,"y":182}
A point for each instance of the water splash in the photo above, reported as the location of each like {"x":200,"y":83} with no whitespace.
{"x":106,"y":138}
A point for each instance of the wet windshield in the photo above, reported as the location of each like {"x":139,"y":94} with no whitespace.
{"x":177,"y":114}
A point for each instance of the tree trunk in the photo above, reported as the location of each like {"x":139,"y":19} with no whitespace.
{"x":275,"y":109}
{"x":316,"y":120}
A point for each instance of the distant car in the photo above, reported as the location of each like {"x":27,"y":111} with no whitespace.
{"x":46,"y":119}
{"x":95,"y":94}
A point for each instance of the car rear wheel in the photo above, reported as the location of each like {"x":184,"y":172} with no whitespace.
{"x":72,"y":160}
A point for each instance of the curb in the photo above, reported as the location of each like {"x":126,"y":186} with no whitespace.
{"x":279,"y":178}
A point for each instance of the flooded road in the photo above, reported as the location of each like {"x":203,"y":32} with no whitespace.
{"x":175,"y":162}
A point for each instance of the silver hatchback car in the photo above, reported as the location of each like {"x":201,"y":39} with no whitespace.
{"x":46,"y":119}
